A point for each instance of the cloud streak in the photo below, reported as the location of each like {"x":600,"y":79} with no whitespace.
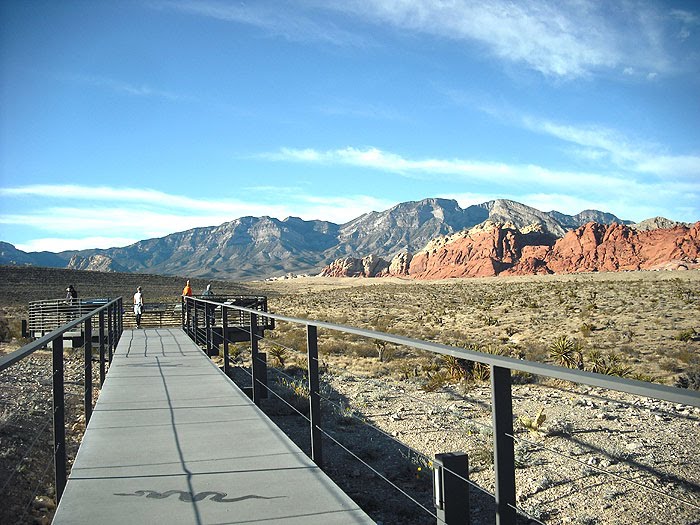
{"x":121,"y":216}
{"x":565,"y":40}
{"x":286,"y":21}
{"x":612,"y":190}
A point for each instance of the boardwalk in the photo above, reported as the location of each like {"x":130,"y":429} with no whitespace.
{"x":172,"y":440}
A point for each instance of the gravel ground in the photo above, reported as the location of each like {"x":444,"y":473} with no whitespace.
{"x":598,"y":457}
{"x":26,"y":434}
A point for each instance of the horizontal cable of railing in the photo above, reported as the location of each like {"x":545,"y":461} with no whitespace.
{"x":107,"y":319}
{"x":501,"y":368}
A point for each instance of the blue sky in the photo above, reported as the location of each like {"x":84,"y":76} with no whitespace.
{"x":121,"y":121}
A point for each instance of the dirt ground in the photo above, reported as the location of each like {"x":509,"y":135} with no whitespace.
{"x":597,"y":457}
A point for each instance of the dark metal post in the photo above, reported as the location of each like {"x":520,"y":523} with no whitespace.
{"x":102,"y":347}
{"x":254,"y":357}
{"x":59,"y":421}
{"x":120,"y":320}
{"x":182,"y":313}
{"x":208,"y":328}
{"x":195,"y":324}
{"x":87,"y":395}
{"x":110,"y":330}
{"x":224,"y":326}
{"x":503,"y":453}
{"x":451,"y":489}
{"x":314,"y":398}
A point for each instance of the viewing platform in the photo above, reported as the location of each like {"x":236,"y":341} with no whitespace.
{"x":172,"y":439}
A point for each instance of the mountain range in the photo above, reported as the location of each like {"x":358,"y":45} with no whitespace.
{"x":262,"y":247}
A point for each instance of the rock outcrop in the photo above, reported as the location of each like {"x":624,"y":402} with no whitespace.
{"x":95,"y":263}
{"x":370,"y":266}
{"x":502,"y":249}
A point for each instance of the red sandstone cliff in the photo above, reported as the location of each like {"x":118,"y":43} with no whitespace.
{"x":590,"y":248}
{"x":490,"y":250}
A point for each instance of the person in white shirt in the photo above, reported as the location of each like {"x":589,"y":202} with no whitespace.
{"x":138,"y":306}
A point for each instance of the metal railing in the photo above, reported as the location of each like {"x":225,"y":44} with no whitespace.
{"x":449,"y":480}
{"x":47,"y":315}
{"x":107,"y":333}
{"x":210,"y":322}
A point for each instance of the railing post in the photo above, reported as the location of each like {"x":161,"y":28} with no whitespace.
{"x":208,"y":328}
{"x":254,"y":358}
{"x":102,"y":347}
{"x":503,"y":453}
{"x":451,"y":489}
{"x":314,"y":397}
{"x":110,"y":331}
{"x":87,"y":395}
{"x":59,"y":422}
{"x":224,"y":326}
{"x":195,"y":324}
{"x":120,"y":319}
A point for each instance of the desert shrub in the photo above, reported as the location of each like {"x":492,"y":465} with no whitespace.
{"x":10,"y":328}
{"x":534,"y":426}
{"x":566,"y":352}
{"x":458,"y":369}
{"x":295,"y":393}
{"x":687,"y":335}
{"x":6,"y":334}
{"x":586,"y":329}
{"x":278,"y":355}
{"x":435,"y":381}
{"x":691,"y":379}
{"x":609,"y":364}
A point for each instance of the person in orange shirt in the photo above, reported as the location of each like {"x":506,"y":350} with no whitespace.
{"x":187,"y":292}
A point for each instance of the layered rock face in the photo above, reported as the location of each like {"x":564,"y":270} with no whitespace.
{"x":370,"y":266}
{"x":590,"y":248}
{"x":502,"y":249}
{"x":95,"y":263}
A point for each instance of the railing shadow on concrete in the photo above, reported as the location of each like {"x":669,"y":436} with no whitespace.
{"x":98,"y":324}
{"x":450,"y":471}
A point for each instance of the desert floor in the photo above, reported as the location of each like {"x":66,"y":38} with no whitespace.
{"x":597,"y":456}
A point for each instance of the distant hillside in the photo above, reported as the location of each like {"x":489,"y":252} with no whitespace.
{"x":260,"y":247}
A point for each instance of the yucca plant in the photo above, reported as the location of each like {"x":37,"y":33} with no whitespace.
{"x":566,"y":352}
{"x":534,"y":425}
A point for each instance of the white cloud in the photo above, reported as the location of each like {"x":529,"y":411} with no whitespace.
{"x":599,"y":142}
{"x":288,"y":22}
{"x":631,"y":193}
{"x":567,"y":39}
{"x":495,"y":173}
{"x":126,"y":88}
{"x":57,"y":244}
{"x":119,"y":216}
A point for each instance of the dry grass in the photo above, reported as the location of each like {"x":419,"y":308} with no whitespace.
{"x":646,"y":322}
{"x":642,"y":320}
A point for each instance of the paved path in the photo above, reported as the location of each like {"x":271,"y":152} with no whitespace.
{"x":172,"y":440}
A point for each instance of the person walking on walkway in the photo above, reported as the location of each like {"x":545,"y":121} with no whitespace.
{"x":187,"y":292}
{"x":208,"y":294}
{"x":138,"y":306}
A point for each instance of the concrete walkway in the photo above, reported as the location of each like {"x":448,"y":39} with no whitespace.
{"x":172,"y":440}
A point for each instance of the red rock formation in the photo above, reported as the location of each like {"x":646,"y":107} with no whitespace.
{"x":504,"y":250}
{"x":597,"y":248}
{"x":475,"y":254}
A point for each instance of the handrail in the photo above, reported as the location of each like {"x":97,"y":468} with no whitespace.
{"x":501,"y":394}
{"x":620,"y":384}
{"x":19,"y":354}
{"x":108,"y":330}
